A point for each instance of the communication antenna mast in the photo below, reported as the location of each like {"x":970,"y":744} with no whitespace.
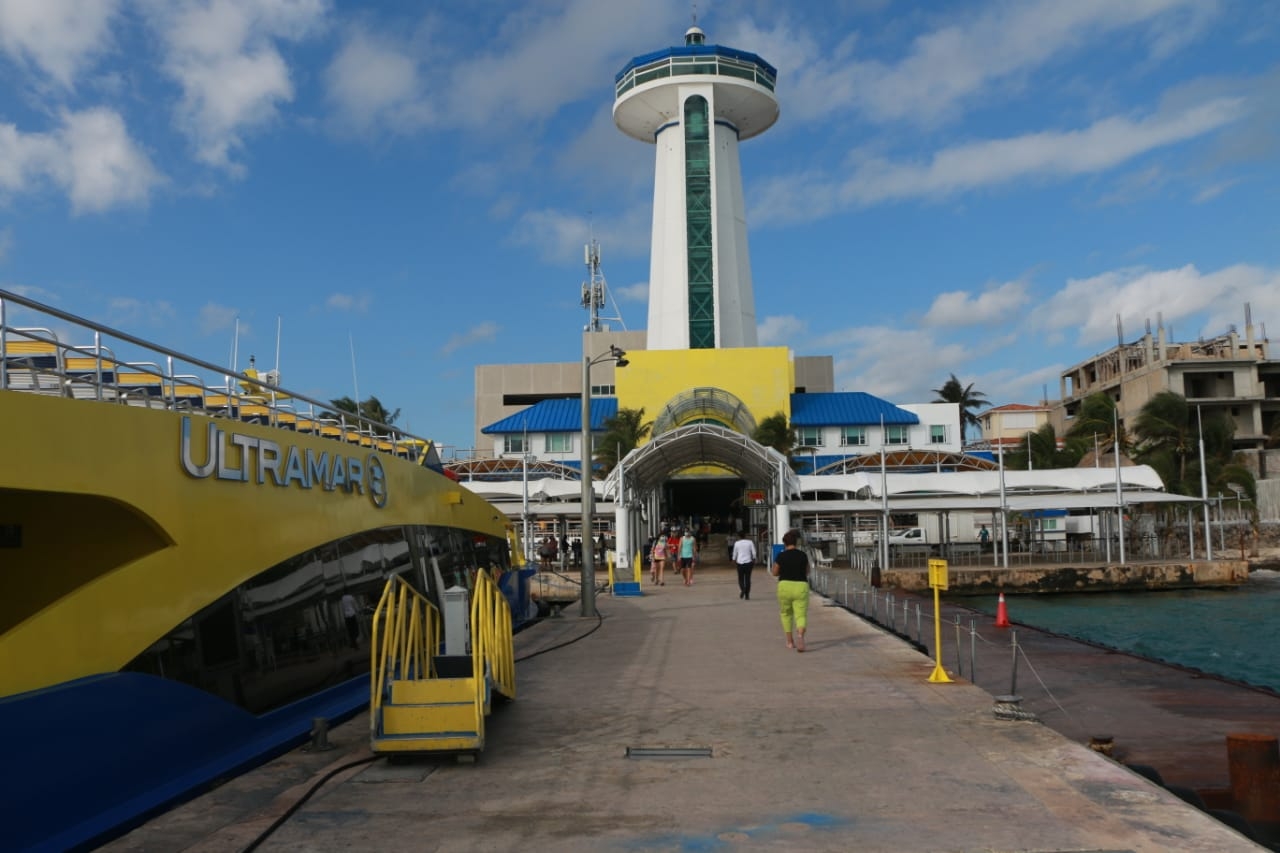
{"x":595,"y":292}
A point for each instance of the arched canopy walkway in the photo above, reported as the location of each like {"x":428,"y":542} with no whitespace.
{"x":646,"y":468}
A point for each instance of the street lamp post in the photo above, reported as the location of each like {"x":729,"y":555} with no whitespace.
{"x":588,"y":496}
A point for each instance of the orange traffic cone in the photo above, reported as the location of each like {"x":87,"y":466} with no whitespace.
{"x":1002,"y":613}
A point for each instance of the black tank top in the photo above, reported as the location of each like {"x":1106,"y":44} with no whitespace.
{"x":793,"y":565}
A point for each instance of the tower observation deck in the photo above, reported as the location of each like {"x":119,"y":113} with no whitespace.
{"x":695,"y":103}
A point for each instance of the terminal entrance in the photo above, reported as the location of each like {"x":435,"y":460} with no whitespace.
{"x":714,"y":497}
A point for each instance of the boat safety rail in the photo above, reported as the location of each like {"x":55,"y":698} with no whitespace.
{"x":35,"y":359}
{"x":492,"y":647}
{"x":405,"y":638}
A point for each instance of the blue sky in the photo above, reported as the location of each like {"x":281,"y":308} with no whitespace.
{"x":970,"y":188}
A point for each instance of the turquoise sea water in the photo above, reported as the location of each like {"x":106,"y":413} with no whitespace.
{"x":1235,"y":633}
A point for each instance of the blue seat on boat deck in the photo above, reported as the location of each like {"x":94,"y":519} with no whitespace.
{"x":83,"y":374}
{"x":32,"y":365}
{"x":140,"y":384}
{"x":36,"y":354}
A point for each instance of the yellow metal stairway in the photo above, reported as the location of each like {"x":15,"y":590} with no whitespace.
{"x":425,"y":702}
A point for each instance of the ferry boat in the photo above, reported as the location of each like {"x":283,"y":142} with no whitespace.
{"x":190,"y":567}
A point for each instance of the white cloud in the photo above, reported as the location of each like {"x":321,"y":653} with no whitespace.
{"x":871,"y":359}
{"x":480,"y":333}
{"x":372,"y":82}
{"x":638,"y":292}
{"x":559,"y":236}
{"x":91,"y":156}
{"x":961,"y":308}
{"x":348,"y":302}
{"x":1214,"y":190}
{"x":224,"y":56}
{"x":1098,"y":147}
{"x":60,"y":37}
{"x":216,"y":318}
{"x":778,"y":330}
{"x":126,"y":311}
{"x":1017,"y":384}
{"x":538,"y":59}
{"x":103,"y":167}
{"x":1210,"y":301}
{"x":961,"y":60}
{"x":1038,"y":156}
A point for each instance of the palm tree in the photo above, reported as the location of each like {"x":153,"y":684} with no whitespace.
{"x":623,"y":433}
{"x":1169,"y":432}
{"x":371,"y":408}
{"x":775,"y":432}
{"x":969,"y":401}
{"x":1095,"y":424}
{"x":1044,"y":451}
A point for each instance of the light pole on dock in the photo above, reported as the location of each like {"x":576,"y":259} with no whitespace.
{"x":588,"y":496}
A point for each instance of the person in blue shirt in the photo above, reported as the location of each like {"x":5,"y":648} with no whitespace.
{"x":688,"y":553}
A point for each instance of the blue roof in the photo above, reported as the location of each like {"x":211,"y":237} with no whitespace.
{"x":696,"y":50}
{"x":846,"y":408}
{"x":555,"y":416}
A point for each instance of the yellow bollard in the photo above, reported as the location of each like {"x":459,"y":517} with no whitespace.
{"x":938,"y":580}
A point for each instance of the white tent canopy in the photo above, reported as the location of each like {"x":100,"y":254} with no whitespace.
{"x":977,"y":484}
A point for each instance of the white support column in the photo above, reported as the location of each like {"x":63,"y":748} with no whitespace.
{"x":781,"y":512}
{"x":622,"y":539}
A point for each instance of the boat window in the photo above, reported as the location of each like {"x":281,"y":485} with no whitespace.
{"x":283,"y":634}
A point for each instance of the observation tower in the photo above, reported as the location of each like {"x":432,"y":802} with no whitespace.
{"x":695,"y":103}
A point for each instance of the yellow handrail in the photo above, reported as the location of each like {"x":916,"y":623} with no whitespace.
{"x":405,"y":639}
{"x":492,"y":648}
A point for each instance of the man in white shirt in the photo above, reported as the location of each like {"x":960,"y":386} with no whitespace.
{"x":744,"y":557}
{"x":350,"y":616}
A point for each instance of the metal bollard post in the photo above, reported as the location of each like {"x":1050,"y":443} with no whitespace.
{"x":873,"y":604}
{"x":906,"y":620}
{"x":319,"y":735}
{"x":918,"y":626}
{"x":889,"y":609}
{"x":1013,"y":679}
{"x":973,"y":652}
{"x":959,"y":653}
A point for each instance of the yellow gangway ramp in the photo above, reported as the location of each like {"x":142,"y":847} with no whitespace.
{"x":425,"y":702}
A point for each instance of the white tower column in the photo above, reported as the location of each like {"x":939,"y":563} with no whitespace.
{"x":695,"y":104}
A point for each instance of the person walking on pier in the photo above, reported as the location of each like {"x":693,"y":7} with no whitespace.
{"x":744,"y":557}
{"x":688,"y":553}
{"x":658,"y":559}
{"x":791,"y":568}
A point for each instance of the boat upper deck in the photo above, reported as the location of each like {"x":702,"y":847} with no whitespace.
{"x":44,"y":350}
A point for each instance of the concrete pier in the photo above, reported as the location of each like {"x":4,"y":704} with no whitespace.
{"x":747,"y":745}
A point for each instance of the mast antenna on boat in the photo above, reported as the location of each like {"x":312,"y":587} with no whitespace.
{"x":273,"y":375}
{"x":235,"y":351}
{"x":595,"y":291}
{"x":355,"y":381}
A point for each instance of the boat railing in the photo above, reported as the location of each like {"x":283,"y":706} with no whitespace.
{"x":492,"y":648}
{"x":405,"y":639}
{"x":117,"y":367}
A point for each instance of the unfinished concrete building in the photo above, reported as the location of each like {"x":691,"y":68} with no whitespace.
{"x":1226,"y":374}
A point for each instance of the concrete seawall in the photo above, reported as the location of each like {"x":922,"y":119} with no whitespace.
{"x":1085,"y":577}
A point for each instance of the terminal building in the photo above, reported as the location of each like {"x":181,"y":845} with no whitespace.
{"x":698,"y":371}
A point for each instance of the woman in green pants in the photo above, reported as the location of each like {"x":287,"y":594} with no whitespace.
{"x":791,"y":568}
